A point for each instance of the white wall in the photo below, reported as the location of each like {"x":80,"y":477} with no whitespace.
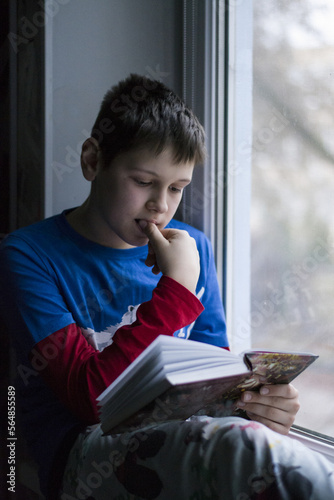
{"x":90,"y":46}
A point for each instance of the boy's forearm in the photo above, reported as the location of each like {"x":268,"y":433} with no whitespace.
{"x":78,"y":373}
{"x":172,"y":307}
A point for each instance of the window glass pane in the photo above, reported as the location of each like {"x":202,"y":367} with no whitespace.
{"x":292,"y":220}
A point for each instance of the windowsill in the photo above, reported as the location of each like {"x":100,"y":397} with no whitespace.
{"x":315,"y":441}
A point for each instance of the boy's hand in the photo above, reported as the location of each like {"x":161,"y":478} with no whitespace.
{"x":274,"y":405}
{"x":174,"y":253}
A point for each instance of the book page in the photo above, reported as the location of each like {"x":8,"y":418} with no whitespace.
{"x":274,"y":367}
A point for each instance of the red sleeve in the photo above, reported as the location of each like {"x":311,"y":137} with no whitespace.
{"x":77,"y":373}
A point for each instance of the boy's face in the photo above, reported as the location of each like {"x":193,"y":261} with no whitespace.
{"x":137,"y":186}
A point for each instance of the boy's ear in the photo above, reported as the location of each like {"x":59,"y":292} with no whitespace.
{"x":89,"y":158}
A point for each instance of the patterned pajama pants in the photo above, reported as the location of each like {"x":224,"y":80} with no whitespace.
{"x":203,"y":459}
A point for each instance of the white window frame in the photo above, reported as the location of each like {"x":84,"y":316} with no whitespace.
{"x":238,"y":177}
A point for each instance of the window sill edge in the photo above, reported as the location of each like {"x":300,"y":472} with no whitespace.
{"x":317,"y":442}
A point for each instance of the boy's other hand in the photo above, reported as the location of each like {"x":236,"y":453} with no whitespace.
{"x":274,"y":405}
{"x":174,"y":253}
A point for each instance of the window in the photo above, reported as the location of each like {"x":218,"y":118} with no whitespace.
{"x":270,"y":88}
{"x":292,"y":230}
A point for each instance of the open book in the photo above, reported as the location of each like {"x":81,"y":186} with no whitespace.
{"x":174,"y":379}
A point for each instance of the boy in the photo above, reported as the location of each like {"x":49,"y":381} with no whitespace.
{"x":81,"y":304}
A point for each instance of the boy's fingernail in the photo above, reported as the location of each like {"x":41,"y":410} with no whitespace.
{"x":247,"y":397}
{"x":264,"y":391}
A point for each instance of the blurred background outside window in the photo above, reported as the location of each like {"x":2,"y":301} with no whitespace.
{"x":292,"y":223}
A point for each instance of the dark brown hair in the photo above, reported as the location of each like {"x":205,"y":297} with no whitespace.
{"x":141,"y":113}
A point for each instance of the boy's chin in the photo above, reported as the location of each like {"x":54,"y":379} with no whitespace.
{"x":142,"y":243}
{"x":137,"y":241}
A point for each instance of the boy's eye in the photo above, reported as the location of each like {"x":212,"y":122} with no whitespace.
{"x":142,"y":183}
{"x":175,"y":189}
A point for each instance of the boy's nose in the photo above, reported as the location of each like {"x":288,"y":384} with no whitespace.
{"x":158,"y":203}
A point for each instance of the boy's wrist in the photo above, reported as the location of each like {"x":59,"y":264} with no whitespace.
{"x":178,"y":288}
{"x":187,"y":282}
